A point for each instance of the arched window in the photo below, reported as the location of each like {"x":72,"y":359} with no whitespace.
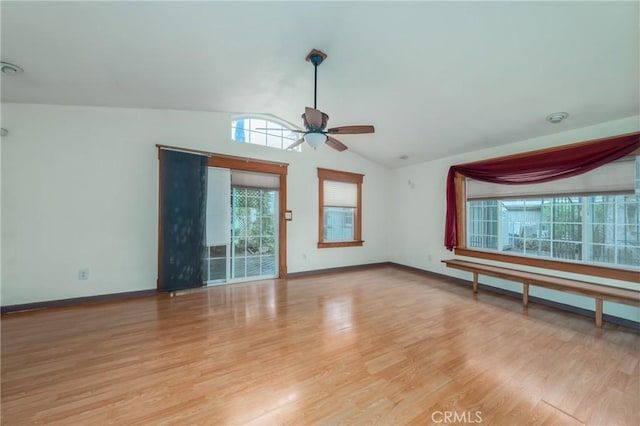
{"x":265,"y":131}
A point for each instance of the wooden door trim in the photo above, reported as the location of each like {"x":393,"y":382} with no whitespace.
{"x":253,"y":165}
{"x":281,"y":169}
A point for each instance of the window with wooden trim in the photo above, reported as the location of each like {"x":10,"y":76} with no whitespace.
{"x":585,"y":224}
{"x":600,"y":229}
{"x":340,"y":209}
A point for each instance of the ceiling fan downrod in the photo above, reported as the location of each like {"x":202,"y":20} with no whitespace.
{"x":315,"y":57}
{"x":315,"y":85}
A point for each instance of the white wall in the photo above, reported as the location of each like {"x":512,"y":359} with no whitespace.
{"x":79,"y":190}
{"x":418,"y":223}
{"x":80,"y":185}
{"x":0,"y":211}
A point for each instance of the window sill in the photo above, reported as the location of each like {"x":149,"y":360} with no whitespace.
{"x":341,"y":244}
{"x":573,"y":267}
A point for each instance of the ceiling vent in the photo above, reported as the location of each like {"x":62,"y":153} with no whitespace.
{"x":557,"y":117}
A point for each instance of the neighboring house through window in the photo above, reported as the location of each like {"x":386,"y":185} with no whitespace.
{"x":340,"y":209}
{"x":600,"y":229}
{"x":589,"y":219}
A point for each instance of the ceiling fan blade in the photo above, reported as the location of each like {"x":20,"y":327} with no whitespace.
{"x":296,"y":143}
{"x":351,"y":130}
{"x":336,"y":144}
{"x":313,"y":117}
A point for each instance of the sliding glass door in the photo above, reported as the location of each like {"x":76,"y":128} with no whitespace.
{"x":254,"y":233}
{"x":242,"y":226}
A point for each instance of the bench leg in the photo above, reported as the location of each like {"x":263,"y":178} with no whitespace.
{"x":598,"y":312}
{"x":475,"y":282}
{"x":525,"y":294}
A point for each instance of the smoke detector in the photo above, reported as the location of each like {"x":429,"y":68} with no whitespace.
{"x":557,"y":117}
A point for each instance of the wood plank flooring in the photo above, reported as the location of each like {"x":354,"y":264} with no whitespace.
{"x":381,"y":346}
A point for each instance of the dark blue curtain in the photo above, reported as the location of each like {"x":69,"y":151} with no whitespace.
{"x":183,"y":196}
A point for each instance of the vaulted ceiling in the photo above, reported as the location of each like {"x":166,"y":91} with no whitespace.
{"x":435,"y":78}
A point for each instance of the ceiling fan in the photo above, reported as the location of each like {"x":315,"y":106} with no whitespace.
{"x":315,"y":120}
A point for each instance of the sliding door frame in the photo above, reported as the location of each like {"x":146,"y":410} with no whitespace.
{"x":249,"y":165}
{"x":260,"y":166}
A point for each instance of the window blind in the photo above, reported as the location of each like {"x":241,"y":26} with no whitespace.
{"x":340,"y":194}
{"x":616,"y":177}
{"x":255,"y":180}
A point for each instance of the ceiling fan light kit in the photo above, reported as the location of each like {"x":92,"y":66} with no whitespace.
{"x":315,"y":121}
{"x":315,"y":139}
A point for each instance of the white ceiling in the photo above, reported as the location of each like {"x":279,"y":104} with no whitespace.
{"x":435,"y":78}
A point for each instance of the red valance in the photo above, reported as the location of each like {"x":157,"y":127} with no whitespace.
{"x":536,"y":167}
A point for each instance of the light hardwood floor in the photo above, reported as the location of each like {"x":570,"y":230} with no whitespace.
{"x":383,"y":346}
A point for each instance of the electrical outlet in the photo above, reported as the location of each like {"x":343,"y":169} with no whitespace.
{"x":83,"y":274}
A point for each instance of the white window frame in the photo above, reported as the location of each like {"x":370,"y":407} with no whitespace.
{"x":586,"y":223}
{"x":269,"y":120}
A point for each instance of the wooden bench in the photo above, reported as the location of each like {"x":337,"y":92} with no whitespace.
{"x":597,"y":291}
